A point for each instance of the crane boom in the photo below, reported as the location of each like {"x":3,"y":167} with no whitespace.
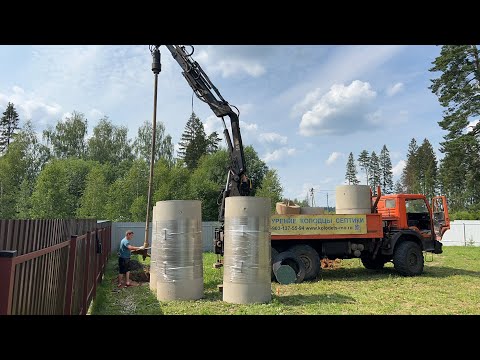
{"x":237,"y":183}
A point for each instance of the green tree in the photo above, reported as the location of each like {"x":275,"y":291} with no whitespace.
{"x":59,"y":189}
{"x":14,"y":169}
{"x":271,"y":188}
{"x":213,"y":141}
{"x":427,"y":169}
{"x":351,"y":174}
{"x":410,"y":172}
{"x":256,"y":168}
{"x":68,"y":138}
{"x":174,"y":183}
{"x":374,"y":172}
{"x":386,"y":174}
{"x":95,"y":197}
{"x":123,"y":193}
{"x":8,"y":125}
{"x":23,"y":200}
{"x":142,"y":145}
{"x":364,"y":161}
{"x":195,"y":143}
{"x":34,"y":152}
{"x":207,"y":180}
{"x":398,"y":189}
{"x":109,"y":143}
{"x":458,"y":91}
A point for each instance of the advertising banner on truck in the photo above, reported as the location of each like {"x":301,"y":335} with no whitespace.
{"x":318,"y":224}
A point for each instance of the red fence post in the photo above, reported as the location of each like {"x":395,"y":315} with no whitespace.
{"x":95,"y":265}
{"x":7,"y":275}
{"x":85,"y":281}
{"x":72,"y":255}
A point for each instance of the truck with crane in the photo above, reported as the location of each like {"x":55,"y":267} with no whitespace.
{"x":399,"y":228}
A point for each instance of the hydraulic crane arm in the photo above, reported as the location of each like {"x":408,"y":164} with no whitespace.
{"x":208,"y":93}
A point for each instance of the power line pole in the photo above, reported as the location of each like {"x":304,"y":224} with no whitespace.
{"x":312,"y":197}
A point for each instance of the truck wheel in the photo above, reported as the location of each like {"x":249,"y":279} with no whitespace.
{"x":408,"y":258}
{"x":293,"y":260}
{"x":374,"y":264}
{"x":274,"y":255}
{"x":310,"y":259}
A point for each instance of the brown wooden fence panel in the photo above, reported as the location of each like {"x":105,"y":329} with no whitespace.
{"x":35,"y":265}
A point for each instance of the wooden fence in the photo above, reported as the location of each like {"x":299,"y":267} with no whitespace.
{"x":51,"y":266}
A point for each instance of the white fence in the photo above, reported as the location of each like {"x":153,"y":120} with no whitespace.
{"x":462,"y":233}
{"x":119,"y":229}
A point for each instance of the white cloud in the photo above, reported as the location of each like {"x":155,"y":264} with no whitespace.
{"x":334,"y":156}
{"x":95,"y":113}
{"x":90,"y":69}
{"x":30,"y":106}
{"x":374,"y":118}
{"x":245,"y":109}
{"x":248,"y":126}
{"x":279,"y":154}
{"x":272,"y":137}
{"x":395,"y":89}
{"x":234,"y":60}
{"x":337,"y":69}
{"x":398,"y":168}
{"x":213,"y":123}
{"x":342,"y":110}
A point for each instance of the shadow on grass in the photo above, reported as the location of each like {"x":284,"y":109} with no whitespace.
{"x":371,"y":275}
{"x":295,"y":300}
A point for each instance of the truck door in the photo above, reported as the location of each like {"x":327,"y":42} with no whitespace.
{"x":441,"y":221}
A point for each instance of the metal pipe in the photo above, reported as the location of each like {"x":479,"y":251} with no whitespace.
{"x":156,"y":68}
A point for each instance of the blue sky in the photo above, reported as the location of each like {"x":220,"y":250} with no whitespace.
{"x":303,"y":108}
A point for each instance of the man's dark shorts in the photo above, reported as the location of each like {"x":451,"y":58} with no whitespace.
{"x":123,"y":265}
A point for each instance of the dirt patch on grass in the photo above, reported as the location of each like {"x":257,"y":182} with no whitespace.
{"x":138,"y":272}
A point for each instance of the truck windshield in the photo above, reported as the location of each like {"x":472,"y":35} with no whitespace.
{"x":416,"y":206}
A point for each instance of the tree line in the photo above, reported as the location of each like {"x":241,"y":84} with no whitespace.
{"x":69,"y":174}
{"x":378,"y":170}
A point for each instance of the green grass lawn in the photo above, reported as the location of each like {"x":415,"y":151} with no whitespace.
{"x":450,"y":284}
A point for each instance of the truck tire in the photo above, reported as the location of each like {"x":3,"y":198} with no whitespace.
{"x":293,"y":260}
{"x":310,"y":259}
{"x":408,"y":258}
{"x":274,"y":255}
{"x":374,"y":264}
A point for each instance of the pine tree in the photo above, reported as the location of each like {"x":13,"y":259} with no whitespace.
{"x":364,"y":161}
{"x":427,"y":169}
{"x":398,"y":187}
{"x":8,"y":125}
{"x":194,"y":143}
{"x":351,"y":174}
{"x":374,"y":172}
{"x":410,"y":171}
{"x":458,"y":91}
{"x":386,"y":175}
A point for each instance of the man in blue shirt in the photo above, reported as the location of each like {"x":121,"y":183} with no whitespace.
{"x":124,"y":258}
